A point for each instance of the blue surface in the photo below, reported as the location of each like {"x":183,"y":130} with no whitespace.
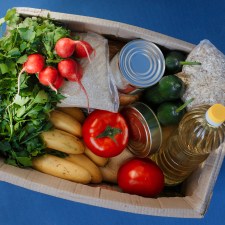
{"x":191,"y":21}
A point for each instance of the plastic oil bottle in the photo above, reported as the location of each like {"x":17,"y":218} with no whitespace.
{"x":201,"y":131}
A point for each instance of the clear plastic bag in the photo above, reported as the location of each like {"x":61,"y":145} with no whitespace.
{"x":97,"y":79}
{"x":205,"y":82}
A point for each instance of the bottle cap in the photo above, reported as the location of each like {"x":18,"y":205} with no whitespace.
{"x":216,"y":115}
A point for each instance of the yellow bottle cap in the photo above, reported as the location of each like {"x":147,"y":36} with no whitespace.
{"x":216,"y":113}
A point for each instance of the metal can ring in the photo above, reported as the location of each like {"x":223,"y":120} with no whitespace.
{"x":145,"y":133}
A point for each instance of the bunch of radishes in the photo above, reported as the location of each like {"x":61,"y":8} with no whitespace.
{"x":68,"y":68}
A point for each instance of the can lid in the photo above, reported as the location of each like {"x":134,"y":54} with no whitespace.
{"x":145,"y":135}
{"x":141,"y":63}
{"x":215,"y":115}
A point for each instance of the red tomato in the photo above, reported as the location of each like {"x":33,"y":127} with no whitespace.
{"x":105,"y":133}
{"x":141,"y":177}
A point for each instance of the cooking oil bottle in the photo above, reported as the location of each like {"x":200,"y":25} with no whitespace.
{"x":201,"y":131}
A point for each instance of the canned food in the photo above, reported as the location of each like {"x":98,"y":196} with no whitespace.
{"x":145,"y":134}
{"x":138,"y":65}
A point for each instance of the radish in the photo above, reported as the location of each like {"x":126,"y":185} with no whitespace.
{"x":59,"y":82}
{"x":65,"y":47}
{"x":83,"y":49}
{"x":72,"y":70}
{"x":34,"y":64}
{"x":48,"y":76}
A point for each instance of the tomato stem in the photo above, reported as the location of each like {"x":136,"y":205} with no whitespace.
{"x":110,"y":132}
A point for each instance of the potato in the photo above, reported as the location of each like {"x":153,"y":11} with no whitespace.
{"x":65,"y":122}
{"x":75,"y":112}
{"x":83,"y":161}
{"x":61,"y":168}
{"x":127,"y":99}
{"x":62,"y":141}
{"x":109,"y":174}
{"x":98,"y":160}
{"x":109,"y":171}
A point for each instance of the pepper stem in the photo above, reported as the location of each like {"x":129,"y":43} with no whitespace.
{"x":184,"y":105}
{"x":110,"y":132}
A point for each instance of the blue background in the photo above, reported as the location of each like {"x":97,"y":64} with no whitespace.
{"x":191,"y":21}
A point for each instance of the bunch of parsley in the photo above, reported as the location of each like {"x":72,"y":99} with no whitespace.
{"x":23,"y":117}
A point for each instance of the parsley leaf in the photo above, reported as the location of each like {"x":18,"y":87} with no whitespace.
{"x":23,"y":117}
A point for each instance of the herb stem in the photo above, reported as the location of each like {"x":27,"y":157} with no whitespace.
{"x":15,"y":38}
{"x":53,"y":60}
{"x":10,"y":123}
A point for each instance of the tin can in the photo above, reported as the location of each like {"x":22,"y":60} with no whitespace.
{"x":145,"y":133}
{"x":139,"y":64}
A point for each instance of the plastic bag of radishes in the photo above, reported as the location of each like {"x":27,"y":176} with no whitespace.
{"x":97,"y":79}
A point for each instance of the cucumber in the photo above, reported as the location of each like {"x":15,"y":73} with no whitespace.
{"x":171,"y":113}
{"x":169,"y":88}
{"x":168,"y":113}
{"x":175,"y":61}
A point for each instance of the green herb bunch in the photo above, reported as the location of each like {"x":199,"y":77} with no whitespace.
{"x":23,"y":117}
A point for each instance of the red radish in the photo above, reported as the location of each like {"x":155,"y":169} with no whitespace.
{"x":34,"y":64}
{"x":48,"y":77}
{"x":65,"y":47}
{"x":59,"y":82}
{"x":69,"y":69}
{"x":72,"y":70}
{"x":83,"y":49}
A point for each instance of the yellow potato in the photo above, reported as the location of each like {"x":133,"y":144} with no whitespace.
{"x":109,"y":171}
{"x":65,"y":122}
{"x":74,"y":112}
{"x":61,"y":168}
{"x":109,"y":174}
{"x":127,"y":99}
{"x":62,"y":141}
{"x":98,"y":160}
{"x":83,"y":161}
